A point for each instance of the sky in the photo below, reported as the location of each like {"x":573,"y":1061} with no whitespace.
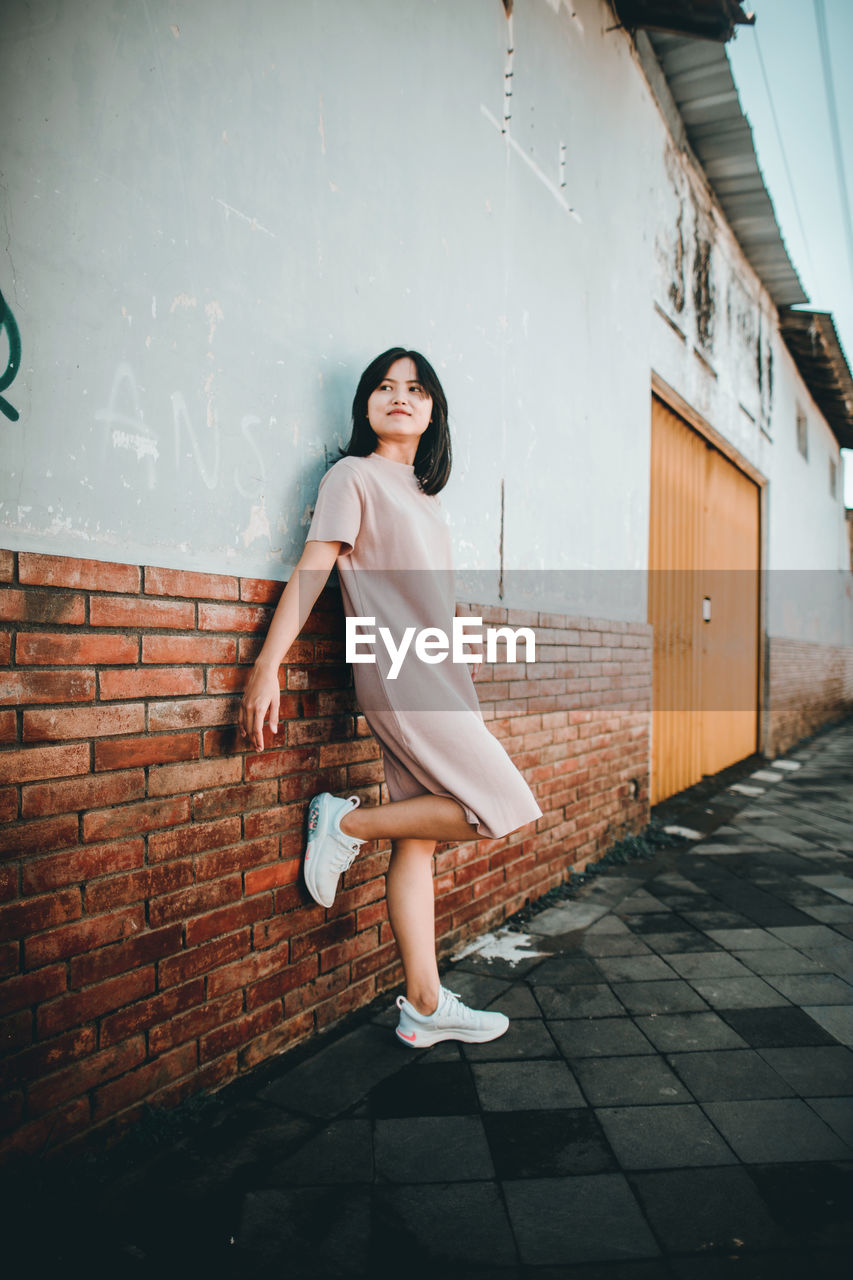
{"x":801,"y":172}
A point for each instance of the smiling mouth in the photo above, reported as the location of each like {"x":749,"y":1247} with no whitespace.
{"x":401,"y":412}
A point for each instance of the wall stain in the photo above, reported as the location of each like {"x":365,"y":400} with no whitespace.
{"x":703,"y":290}
{"x":676,"y":288}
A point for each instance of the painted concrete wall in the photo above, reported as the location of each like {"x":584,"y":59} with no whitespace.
{"x":216,"y":215}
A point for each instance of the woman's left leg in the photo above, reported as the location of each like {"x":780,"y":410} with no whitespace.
{"x":411,"y":910}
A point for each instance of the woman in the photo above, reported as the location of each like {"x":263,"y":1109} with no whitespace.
{"x":377,"y":516}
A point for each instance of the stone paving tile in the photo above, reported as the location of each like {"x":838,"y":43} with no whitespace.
{"x":614,"y":944}
{"x":640,"y":903}
{"x":773,"y":1131}
{"x":629,"y":1081}
{"x":744,"y":939}
{"x":526,"y":1086}
{"x":810,"y":935}
{"x":545,"y":1144}
{"x":782,"y":960}
{"x":599,"y":1038}
{"x":426,"y":1088}
{"x":824,"y":1070}
{"x":341,"y":1152}
{"x":780,"y":1028}
{"x":728,"y":1075}
{"x":706,"y":920}
{"x":707,"y":964}
{"x":738,"y":993}
{"x":432,"y":1149}
{"x":526,"y":1038}
{"x":726,"y":1212}
{"x":516,"y":1001}
{"x":813,"y":1201}
{"x":598,"y":1219}
{"x":812,"y":988}
{"x":689,"y":1031}
{"x":565,"y":970}
{"x":840,"y":914}
{"x":278,"y":1224}
{"x":678,"y":942}
{"x":634,"y":968}
{"x":836,"y":1019}
{"x":557,"y":921}
{"x":421,"y":1230}
{"x":330,"y":1081}
{"x":837,"y":1113}
{"x":658,"y":997}
{"x":597,"y":1001}
{"x":664,"y":1137}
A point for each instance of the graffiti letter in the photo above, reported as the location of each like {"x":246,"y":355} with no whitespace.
{"x":7,"y":322}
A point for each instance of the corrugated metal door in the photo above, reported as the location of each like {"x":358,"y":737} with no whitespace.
{"x":703,"y":606}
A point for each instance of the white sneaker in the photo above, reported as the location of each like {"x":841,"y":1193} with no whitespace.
{"x":452,"y":1020}
{"x":329,"y":850}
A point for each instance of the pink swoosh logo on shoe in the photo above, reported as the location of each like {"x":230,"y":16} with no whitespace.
{"x":411,"y":1038}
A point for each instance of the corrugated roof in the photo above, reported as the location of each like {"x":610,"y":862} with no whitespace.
{"x":700,"y":81}
{"x":710,"y":19}
{"x":812,"y":339}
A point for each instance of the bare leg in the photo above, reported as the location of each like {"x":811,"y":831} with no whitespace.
{"x":421,"y":818}
{"x":411,"y":909}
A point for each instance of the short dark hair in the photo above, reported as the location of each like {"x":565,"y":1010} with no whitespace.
{"x":433,"y":458}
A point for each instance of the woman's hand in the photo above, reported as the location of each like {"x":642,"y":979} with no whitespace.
{"x":262,"y":696}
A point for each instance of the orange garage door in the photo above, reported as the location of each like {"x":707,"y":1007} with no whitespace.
{"x":703,"y":606}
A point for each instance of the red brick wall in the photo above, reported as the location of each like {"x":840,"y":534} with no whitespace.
{"x":155,"y":936}
{"x":811,"y":685}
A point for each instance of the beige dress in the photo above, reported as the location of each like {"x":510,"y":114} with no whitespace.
{"x":395,"y":566}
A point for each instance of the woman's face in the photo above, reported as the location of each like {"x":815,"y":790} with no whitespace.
{"x":399,"y":409}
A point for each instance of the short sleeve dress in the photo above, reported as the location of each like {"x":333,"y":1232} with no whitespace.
{"x":395,"y":567}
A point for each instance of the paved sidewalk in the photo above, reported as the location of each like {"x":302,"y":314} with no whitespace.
{"x":674,"y":1097}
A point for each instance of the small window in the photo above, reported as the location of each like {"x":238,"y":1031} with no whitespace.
{"x":832,"y":483}
{"x":802,"y":433}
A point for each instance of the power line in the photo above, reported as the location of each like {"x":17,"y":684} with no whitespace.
{"x":823,"y":40}
{"x":791,"y":186}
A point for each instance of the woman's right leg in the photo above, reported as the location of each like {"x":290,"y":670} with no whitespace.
{"x":424,"y":816}
{"x":411,"y":910}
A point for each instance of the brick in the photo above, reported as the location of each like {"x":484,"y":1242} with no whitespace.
{"x":132,"y":819}
{"x":194,"y":901}
{"x":315,"y":939}
{"x":277,"y":818}
{"x":192,"y":712}
{"x":123,"y":611}
{"x":189,"y":583}
{"x":194,"y":1023}
{"x":203,"y":959}
{"x":54,"y":1129}
{"x":78,"y":938}
{"x":117,"y":891}
{"x":342,"y":952}
{"x":237,"y":799}
{"x":83,"y":1076}
{"x":227,"y":680}
{"x":237,"y":857}
{"x":22,"y":687}
{"x":65,"y":571}
{"x":79,"y":1007}
{"x":41,"y":798}
{"x":8,"y":726}
{"x":152,"y":749}
{"x":189,"y":840}
{"x":313,"y":993}
{"x":144,"y":1081}
{"x":35,"y":837}
{"x":150,"y":1012}
{"x":32,"y":988}
{"x":336,"y":753}
{"x":83,"y":722}
{"x":18,"y":919}
{"x":233,"y":617}
{"x":285,"y":1036}
{"x":16,"y":1032}
{"x":355,"y":996}
{"x":241,"y":1031}
{"x":228,"y":919}
{"x":120,"y":957}
{"x":42,"y":606}
{"x":262,"y":879}
{"x":57,"y":870}
{"x":7,"y":566}
{"x":147,"y":683}
{"x":37,"y":1060}
{"x":173,"y":778}
{"x":31,"y":763}
{"x":5,"y":648}
{"x":280,"y":763}
{"x":189,"y":649}
{"x":55,"y":650}
{"x":261,"y":590}
{"x":8,"y":804}
{"x":325,"y":729}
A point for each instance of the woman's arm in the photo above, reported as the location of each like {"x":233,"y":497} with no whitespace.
{"x":262,"y":692}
